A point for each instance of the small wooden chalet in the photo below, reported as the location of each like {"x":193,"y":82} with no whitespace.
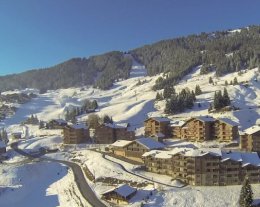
{"x":135,"y":149}
{"x":120,"y":195}
{"x":57,"y":124}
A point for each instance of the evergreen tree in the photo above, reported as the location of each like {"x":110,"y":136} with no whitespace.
{"x":41,"y":125}
{"x":226,"y":99}
{"x":210,"y":107}
{"x":4,"y":136}
{"x":235,"y":82}
{"x":226,"y":83}
{"x":246,"y":194}
{"x":93,"y":121}
{"x":106,"y":119}
{"x":158,"y":96}
{"x":168,"y":91}
{"x":211,"y":80}
{"x":197,"y":90}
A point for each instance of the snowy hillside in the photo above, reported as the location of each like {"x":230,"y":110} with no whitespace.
{"x":131,"y":101}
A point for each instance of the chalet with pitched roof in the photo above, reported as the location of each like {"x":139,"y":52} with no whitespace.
{"x":76,"y":134}
{"x":57,"y":124}
{"x":155,"y":125}
{"x":120,"y":195}
{"x":109,"y":133}
{"x":135,"y":149}
{"x":250,"y":139}
{"x":225,"y":130}
{"x":199,"y":128}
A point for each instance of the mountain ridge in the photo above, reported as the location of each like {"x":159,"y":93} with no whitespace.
{"x":224,"y":51}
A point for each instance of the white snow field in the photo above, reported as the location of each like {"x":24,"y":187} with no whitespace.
{"x":38,"y":184}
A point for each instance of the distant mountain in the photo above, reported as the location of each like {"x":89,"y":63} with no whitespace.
{"x":224,"y":51}
{"x":101,"y":71}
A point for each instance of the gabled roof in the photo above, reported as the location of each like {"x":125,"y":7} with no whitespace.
{"x":123,"y":190}
{"x":121,"y":143}
{"x":202,"y":152}
{"x":159,"y":119}
{"x":235,"y":156}
{"x":163,"y":154}
{"x":228,"y":121}
{"x":117,"y":125}
{"x":177,"y":123}
{"x":60,"y":121}
{"x":205,"y":118}
{"x":79,"y":126}
{"x":252,"y":130}
{"x":159,"y":135}
{"x":149,"y":143}
{"x":250,"y":159}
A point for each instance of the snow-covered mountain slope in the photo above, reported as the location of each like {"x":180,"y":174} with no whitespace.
{"x":245,"y":95}
{"x":132,"y":100}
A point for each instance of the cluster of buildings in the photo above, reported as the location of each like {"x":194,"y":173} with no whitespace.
{"x":201,"y":128}
{"x":211,"y":166}
{"x":205,"y":167}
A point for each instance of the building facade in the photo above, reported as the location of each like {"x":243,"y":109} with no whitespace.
{"x":156,"y":125}
{"x":134,"y":150}
{"x":109,"y":133}
{"x":205,"y":128}
{"x":250,"y":139}
{"x":205,"y":168}
{"x":76,"y":134}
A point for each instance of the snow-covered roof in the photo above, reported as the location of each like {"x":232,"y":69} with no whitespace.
{"x":252,"y":130}
{"x":205,"y":118}
{"x":160,"y":119}
{"x":235,"y":156}
{"x":177,"y":123}
{"x":117,"y":125}
{"x":202,"y":152}
{"x":121,"y":143}
{"x":150,"y":143}
{"x":16,"y":133}
{"x":79,"y":126}
{"x":228,"y":121}
{"x":162,"y":154}
{"x":159,"y":135}
{"x":123,"y":190}
{"x":250,"y":159}
{"x":60,"y":121}
{"x":2,"y":144}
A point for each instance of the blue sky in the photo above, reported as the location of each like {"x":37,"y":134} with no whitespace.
{"x":38,"y":34}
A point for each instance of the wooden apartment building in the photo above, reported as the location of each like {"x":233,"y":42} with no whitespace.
{"x":205,"y":167}
{"x":109,"y":133}
{"x":250,"y":139}
{"x":205,"y":128}
{"x":76,"y":134}
{"x":156,"y":125}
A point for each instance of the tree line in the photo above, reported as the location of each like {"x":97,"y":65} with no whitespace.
{"x":222,"y":51}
